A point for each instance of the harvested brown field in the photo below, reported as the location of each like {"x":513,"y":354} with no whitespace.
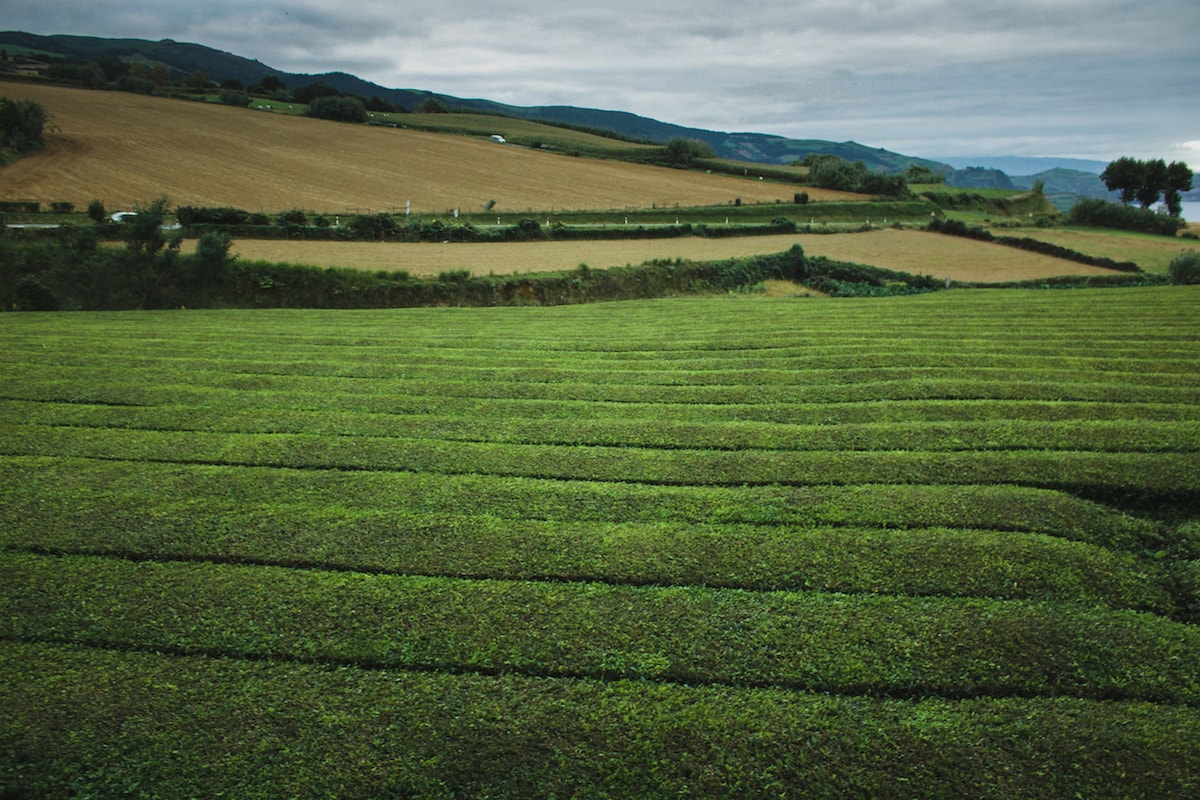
{"x":126,"y":149}
{"x":904,"y":250}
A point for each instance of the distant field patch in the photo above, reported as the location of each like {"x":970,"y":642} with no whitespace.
{"x":125,"y":149}
{"x":1151,"y":253}
{"x":907,"y":251}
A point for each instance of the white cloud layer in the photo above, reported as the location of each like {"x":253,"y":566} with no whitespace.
{"x":936,"y":78}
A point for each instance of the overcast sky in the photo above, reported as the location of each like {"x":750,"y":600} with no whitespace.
{"x":934,"y":78}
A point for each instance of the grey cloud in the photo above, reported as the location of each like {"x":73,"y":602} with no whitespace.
{"x":1092,"y":77}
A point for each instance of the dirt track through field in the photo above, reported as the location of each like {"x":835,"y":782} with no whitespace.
{"x":915,"y":252}
{"x":126,"y":149}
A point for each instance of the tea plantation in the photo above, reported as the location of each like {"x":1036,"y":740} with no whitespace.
{"x":943,"y":545}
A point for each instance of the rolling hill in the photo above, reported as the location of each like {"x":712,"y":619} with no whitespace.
{"x":183,"y":59}
{"x":126,"y":149}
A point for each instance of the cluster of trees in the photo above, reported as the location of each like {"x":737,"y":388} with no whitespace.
{"x":685,"y":152}
{"x":1103,"y":214}
{"x":21,"y":124}
{"x":151,"y":271}
{"x":835,"y":172}
{"x":1147,"y":181}
{"x":338,"y":108}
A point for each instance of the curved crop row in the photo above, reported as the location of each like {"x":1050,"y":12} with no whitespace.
{"x":82,"y":491}
{"x":259,"y":730}
{"x":1128,"y":434}
{"x":1097,"y":474}
{"x":817,"y":642}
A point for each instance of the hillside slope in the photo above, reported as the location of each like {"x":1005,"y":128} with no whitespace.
{"x":182,"y":59}
{"x":124,"y":149}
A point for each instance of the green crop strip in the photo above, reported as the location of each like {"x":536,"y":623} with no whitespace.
{"x":883,"y":645}
{"x":263,"y":729}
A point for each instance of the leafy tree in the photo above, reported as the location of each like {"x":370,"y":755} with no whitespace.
{"x":918,"y":173}
{"x":340,"y":109}
{"x":313,"y":91}
{"x":142,"y":231}
{"x":149,"y":257}
{"x":431,"y":105}
{"x":884,"y":185}
{"x":1125,"y":175}
{"x":197,"y":81}
{"x":96,"y":212}
{"x":834,"y":172}
{"x":686,"y":151}
{"x":234,"y":97}
{"x":21,"y":124}
{"x":1146,"y":181}
{"x":1154,"y":181}
{"x":1179,"y":180}
{"x":272,"y":83}
{"x":212,"y":260}
{"x":376,"y":103}
{"x":89,"y":76}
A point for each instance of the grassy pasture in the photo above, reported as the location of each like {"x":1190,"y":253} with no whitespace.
{"x":1151,"y":253}
{"x":516,"y":132}
{"x":126,"y":149}
{"x":903,"y":250}
{"x":932,"y":546}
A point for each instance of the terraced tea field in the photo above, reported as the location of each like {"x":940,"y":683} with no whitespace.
{"x":934,"y":546}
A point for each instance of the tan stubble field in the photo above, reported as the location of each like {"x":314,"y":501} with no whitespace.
{"x":909,"y":251}
{"x":126,"y":149}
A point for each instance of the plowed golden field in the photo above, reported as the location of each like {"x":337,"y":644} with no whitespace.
{"x":124,"y":149}
{"x":906,"y":251}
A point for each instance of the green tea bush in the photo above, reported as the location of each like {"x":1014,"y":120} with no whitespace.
{"x":1184,"y":268}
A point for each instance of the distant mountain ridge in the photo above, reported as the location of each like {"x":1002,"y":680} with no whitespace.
{"x":1025,"y":165}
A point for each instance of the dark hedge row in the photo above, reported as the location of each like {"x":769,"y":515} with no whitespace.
{"x":70,"y":275}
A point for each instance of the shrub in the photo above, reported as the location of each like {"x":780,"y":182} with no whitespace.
{"x":191,"y":215}
{"x":96,"y":212}
{"x":212,"y":257}
{"x":21,"y":124}
{"x":294,"y":217}
{"x":233,"y":97}
{"x":1184,"y":268}
{"x":339,"y":109}
{"x":686,"y":151}
{"x":1101,"y":213}
{"x":372,"y":226}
